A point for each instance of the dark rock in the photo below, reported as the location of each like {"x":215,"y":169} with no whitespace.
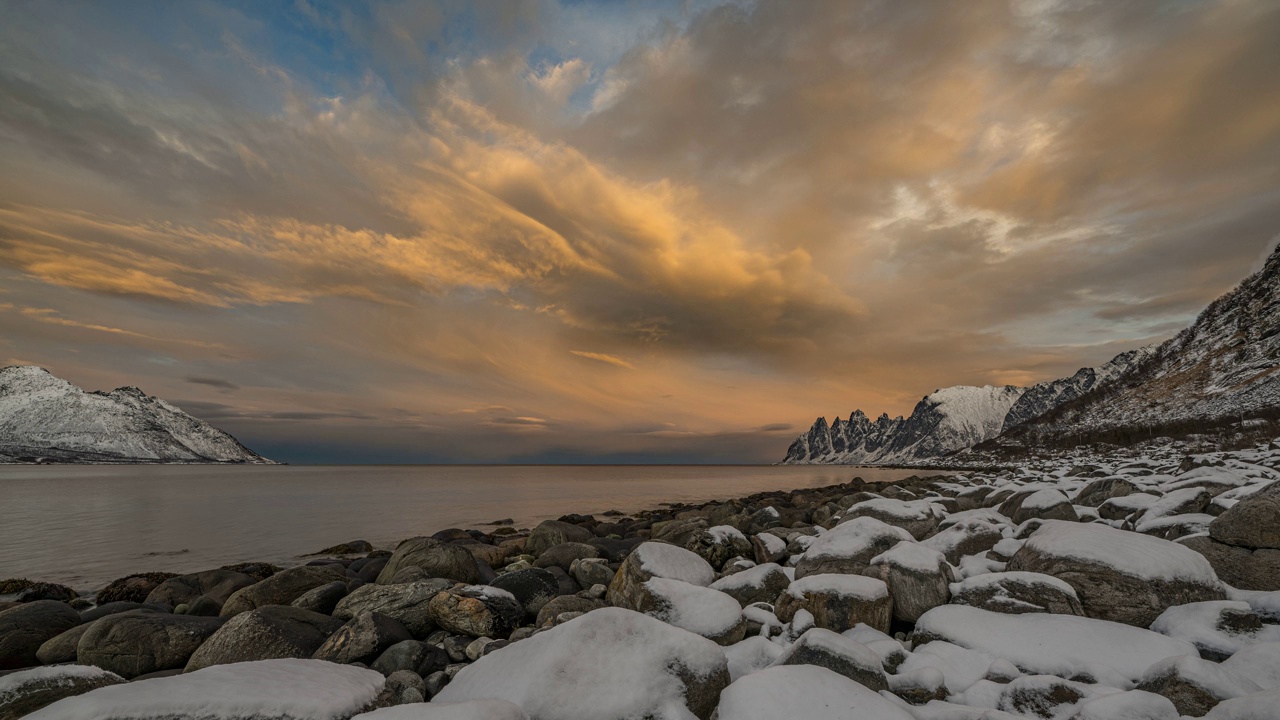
{"x":550,"y":533}
{"x":217,"y":584}
{"x":322,"y":599}
{"x":281,"y":588}
{"x":1254,"y":522}
{"x":566,"y":585}
{"x":1239,"y":567}
{"x":23,"y":629}
{"x":413,"y":655}
{"x":591,"y":571}
{"x":136,"y":642}
{"x":362,"y":639}
{"x":348,"y":548}
{"x":564,"y":604}
{"x":120,"y":606}
{"x":259,"y":571}
{"x":61,"y":648}
{"x":265,"y":633}
{"x":533,"y":588}
{"x":27,"y":692}
{"x":615,"y":550}
{"x":369,"y":571}
{"x":47,"y":591}
{"x":563,"y":555}
{"x":132,"y":588}
{"x":477,"y":611}
{"x":434,"y":558}
{"x":203,"y":606}
{"x":405,"y":602}
{"x":1100,"y":491}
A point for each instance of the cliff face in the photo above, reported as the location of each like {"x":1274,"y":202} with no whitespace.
{"x":45,"y":417}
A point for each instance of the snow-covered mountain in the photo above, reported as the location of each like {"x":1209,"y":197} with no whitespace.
{"x":1043,"y":397}
{"x":1223,"y":369}
{"x":45,"y":417}
{"x":944,"y":421}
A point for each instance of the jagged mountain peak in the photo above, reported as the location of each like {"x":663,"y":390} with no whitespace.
{"x":45,"y":417}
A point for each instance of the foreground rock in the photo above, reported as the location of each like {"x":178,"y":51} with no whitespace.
{"x":406,"y":602}
{"x":435,"y":559}
{"x":609,"y":664}
{"x":655,"y":560}
{"x":1017,"y":592}
{"x":23,"y":629}
{"x":804,"y":691}
{"x":1119,"y":576}
{"x":267,"y":633}
{"x":137,"y":643}
{"x":217,"y":585}
{"x":838,"y":602}
{"x":267,"y":689}
{"x":25,"y":692}
{"x":281,"y":588}
{"x":1252,"y":523}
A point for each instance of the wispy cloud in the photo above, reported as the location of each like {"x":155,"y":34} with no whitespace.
{"x":604,"y":358}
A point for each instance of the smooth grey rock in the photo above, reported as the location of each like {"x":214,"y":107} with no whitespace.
{"x":406,"y":602}
{"x":1254,"y":522}
{"x":282,"y":588}
{"x":322,"y":599}
{"x":362,"y":639}
{"x":137,"y":643}
{"x":265,"y":633}
{"x":564,"y":604}
{"x":549,"y":533}
{"x":120,"y":606}
{"x":591,"y":571}
{"x":1239,"y":567}
{"x":563,"y":555}
{"x":216,"y":584}
{"x":23,"y":629}
{"x":434,"y":558}
{"x":61,"y":648}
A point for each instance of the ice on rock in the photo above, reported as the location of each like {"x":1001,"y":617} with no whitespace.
{"x":804,"y":691}
{"x":608,"y":664}
{"x":752,"y":655}
{"x":261,"y":690}
{"x":1050,"y":644}
{"x":1210,"y":627}
{"x":470,"y":710}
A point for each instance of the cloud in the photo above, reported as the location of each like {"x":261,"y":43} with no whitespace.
{"x":604,"y":358}
{"x":218,"y":383}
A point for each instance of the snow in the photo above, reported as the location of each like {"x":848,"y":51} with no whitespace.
{"x":607,"y":663}
{"x":900,"y":509}
{"x":700,"y":610}
{"x":1045,"y":499}
{"x":1130,"y":553}
{"x":1266,"y":605}
{"x":752,"y":655}
{"x":17,"y":680}
{"x":750,"y":578}
{"x":960,"y":667}
{"x":998,"y":579}
{"x":1051,"y":644}
{"x":853,"y":537}
{"x":773,"y":544}
{"x":1259,"y":664}
{"x":726,"y":533}
{"x":668,"y":561}
{"x":1198,"y":623}
{"x":471,"y":710}
{"x":912,"y":556}
{"x":1258,"y":706}
{"x":858,"y":586}
{"x":293,"y":689}
{"x":804,"y":691}
{"x":1131,"y":705}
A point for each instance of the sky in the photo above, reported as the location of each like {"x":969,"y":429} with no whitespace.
{"x":668,"y":231}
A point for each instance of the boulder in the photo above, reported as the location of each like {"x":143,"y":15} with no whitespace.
{"x":838,"y":654}
{"x":591,"y":571}
{"x":355,"y":547}
{"x":322,"y":599}
{"x":968,"y":537}
{"x":23,"y":629}
{"x":563,"y":555}
{"x":1254,"y":522}
{"x":413,"y":655}
{"x":61,"y":648}
{"x":768,"y":548}
{"x":137,"y":643}
{"x":434,"y":558}
{"x":609,"y":664}
{"x":277,"y":689}
{"x":1120,"y":576}
{"x":918,"y":517}
{"x":47,"y":591}
{"x":918,"y":578}
{"x":1017,"y":592}
{"x":120,"y":606}
{"x":265,"y":633}
{"x":804,"y":691}
{"x":566,"y":604}
{"x":132,"y":588}
{"x":25,"y":692}
{"x":215,"y":584}
{"x":550,"y":533}
{"x":1104,"y":489}
{"x":532,"y":587}
{"x":476,"y":611}
{"x":848,"y":547}
{"x":838,"y":602}
{"x":1219,"y":629}
{"x":718,"y":544}
{"x":362,"y":639}
{"x":762,"y":583}
{"x":405,"y":602}
{"x":1194,"y":685}
{"x":282,"y":588}
{"x":1045,"y":504}
{"x":654,"y":559}
{"x":1239,"y":567}
{"x":700,"y":610}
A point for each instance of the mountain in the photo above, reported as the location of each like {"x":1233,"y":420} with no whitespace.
{"x":1222,"y":370}
{"x":45,"y":417}
{"x":1046,"y":396}
{"x":944,"y":421}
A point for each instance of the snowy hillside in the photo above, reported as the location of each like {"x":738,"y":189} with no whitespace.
{"x":1043,"y":397}
{"x":42,"y":416}
{"x":947,"y":420}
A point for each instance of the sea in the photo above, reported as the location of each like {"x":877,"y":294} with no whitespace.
{"x":85,"y":525}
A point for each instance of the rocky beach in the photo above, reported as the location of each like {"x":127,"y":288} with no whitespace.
{"x":1138,"y":583}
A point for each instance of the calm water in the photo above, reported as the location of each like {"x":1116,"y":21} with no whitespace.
{"x":86,"y":525}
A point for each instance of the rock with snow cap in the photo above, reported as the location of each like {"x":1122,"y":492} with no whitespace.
{"x":701,"y":610}
{"x":27,"y":691}
{"x":804,"y":691}
{"x":1193,"y":685}
{"x":838,"y":602}
{"x":848,"y":547}
{"x":840,"y":654}
{"x":476,"y":610}
{"x":918,"y":577}
{"x":1017,"y":592}
{"x":761,"y":583}
{"x":654,"y":559}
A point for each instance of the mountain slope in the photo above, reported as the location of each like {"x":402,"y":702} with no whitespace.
{"x":42,"y":416}
{"x":1046,"y":396}
{"x":1224,"y":368}
{"x":944,"y":421}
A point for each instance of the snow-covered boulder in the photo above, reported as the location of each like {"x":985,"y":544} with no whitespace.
{"x":1218,"y":628}
{"x":1258,"y":663}
{"x":702,"y":610}
{"x":839,"y":654}
{"x":1042,"y":504}
{"x":1118,"y":575}
{"x":1254,"y":522}
{"x":918,"y":517}
{"x":1017,"y":592}
{"x":848,"y":547}
{"x":838,"y":602}
{"x":1194,"y":685}
{"x":26,"y":691}
{"x":762,"y":583}
{"x":1258,"y":706}
{"x":968,"y":537}
{"x":768,"y":548}
{"x":804,"y":691}
{"x":609,"y":664}
{"x":1104,"y":489}
{"x":719,"y":543}
{"x":655,"y":559}
{"x":752,"y":655}
{"x":917,"y":575}
{"x":275,"y":689}
{"x":470,"y":710}
{"x":1130,"y":705}
{"x":1050,"y":644}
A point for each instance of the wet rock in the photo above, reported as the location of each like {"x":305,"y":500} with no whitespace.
{"x":434,"y":558}
{"x":322,"y":599}
{"x":216,"y":584}
{"x":136,"y":643}
{"x":23,"y":629}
